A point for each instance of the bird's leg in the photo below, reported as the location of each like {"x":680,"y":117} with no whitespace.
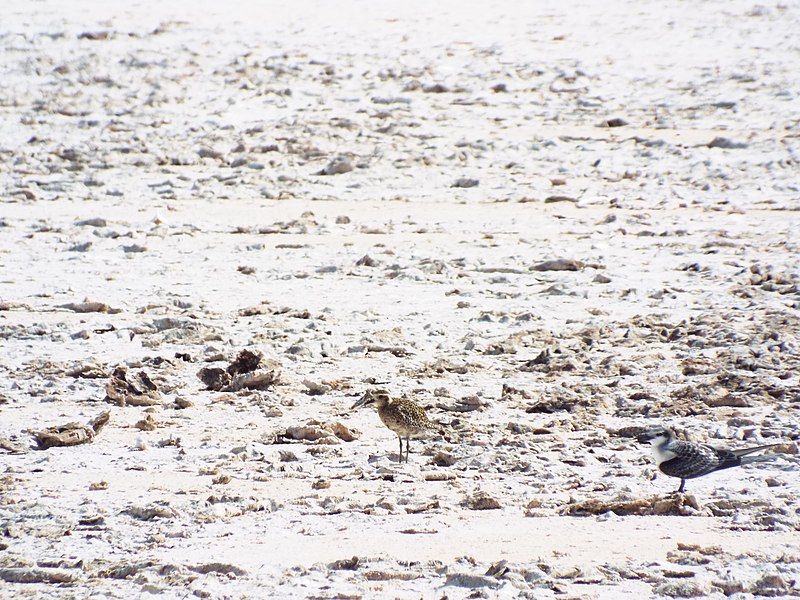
{"x":408,"y":445}
{"x":683,"y":483}
{"x":400,"y":457}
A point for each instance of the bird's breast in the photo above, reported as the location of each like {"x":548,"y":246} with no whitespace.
{"x":661,"y":454}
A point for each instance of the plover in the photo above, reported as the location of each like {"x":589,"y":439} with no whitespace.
{"x":687,"y":460}
{"x":403,"y":416}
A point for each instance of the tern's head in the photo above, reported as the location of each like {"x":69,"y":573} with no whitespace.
{"x":379,"y":397}
{"x":658,"y":436}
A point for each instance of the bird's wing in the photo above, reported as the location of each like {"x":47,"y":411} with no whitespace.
{"x":415,"y":414}
{"x":746,"y":451}
{"x":692,"y":460}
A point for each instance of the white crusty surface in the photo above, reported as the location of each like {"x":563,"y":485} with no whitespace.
{"x":421,"y":196}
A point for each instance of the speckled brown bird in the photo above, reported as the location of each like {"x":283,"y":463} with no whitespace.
{"x":403,"y":416}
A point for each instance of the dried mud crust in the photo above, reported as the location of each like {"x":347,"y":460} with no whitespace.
{"x":219,"y":228}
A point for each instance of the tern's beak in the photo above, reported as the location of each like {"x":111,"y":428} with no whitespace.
{"x":648,"y":436}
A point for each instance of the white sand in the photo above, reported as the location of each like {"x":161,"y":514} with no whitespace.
{"x":165,"y":159}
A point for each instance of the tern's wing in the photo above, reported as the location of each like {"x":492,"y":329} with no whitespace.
{"x":746,"y":451}
{"x":694,"y":460}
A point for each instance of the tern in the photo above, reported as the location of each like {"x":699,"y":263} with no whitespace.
{"x":687,"y":460}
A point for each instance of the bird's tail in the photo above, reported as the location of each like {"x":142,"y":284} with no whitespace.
{"x":745,"y":454}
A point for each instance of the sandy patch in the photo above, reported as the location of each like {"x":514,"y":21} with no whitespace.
{"x":551,"y":225}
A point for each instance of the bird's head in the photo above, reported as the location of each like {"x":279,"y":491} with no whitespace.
{"x":657,"y":436}
{"x":379,"y":397}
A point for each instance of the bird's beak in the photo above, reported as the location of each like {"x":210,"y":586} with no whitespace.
{"x":647,"y":436}
{"x":361,"y":401}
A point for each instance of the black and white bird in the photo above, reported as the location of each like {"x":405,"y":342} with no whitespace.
{"x":687,"y":460}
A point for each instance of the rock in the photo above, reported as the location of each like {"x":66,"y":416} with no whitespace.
{"x":80,"y":247}
{"x":209,"y":153}
{"x":147,"y":424}
{"x":246,"y":361}
{"x":559,"y":264}
{"x":497,"y":569}
{"x":287,"y":456}
{"x":682,"y":589}
{"x":214,"y":378}
{"x":71,"y":434}
{"x":595,"y":506}
{"x":481,"y":501}
{"x":444,"y":459}
{"x":726,"y":143}
{"x":345,"y":564}
{"x":436,"y":88}
{"x":138,"y":390}
{"x":738,"y":401}
{"x":221,"y":568}
{"x":772,"y":585}
{"x":730,"y":586}
{"x":241,"y":374}
{"x":343,"y":433}
{"x":181,"y":402}
{"x":468,"y":580}
{"x":315,"y":431}
{"x":470,"y":403}
{"x":465,"y":182}
{"x":12,"y":446}
{"x":88,"y":371}
{"x":367,"y":261}
{"x":148,"y":513}
{"x":676,"y":504}
{"x":258,"y":380}
{"x":337,"y":166}
{"x":32,"y":575}
{"x":557,"y":198}
{"x":93,"y":222}
{"x":89,"y":307}
{"x":316,"y":388}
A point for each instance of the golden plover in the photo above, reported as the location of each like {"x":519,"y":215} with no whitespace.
{"x":403,"y":416}
{"x":688,"y":460}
